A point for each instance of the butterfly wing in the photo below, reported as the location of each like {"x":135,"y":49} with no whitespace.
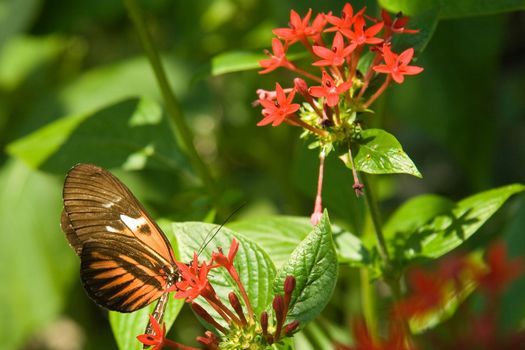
{"x":126,"y":260}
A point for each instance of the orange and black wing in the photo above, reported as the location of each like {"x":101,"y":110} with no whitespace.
{"x":126,"y":260}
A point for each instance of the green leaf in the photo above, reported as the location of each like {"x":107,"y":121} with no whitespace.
{"x":126,"y":326}
{"x":253,"y":264}
{"x":37,"y":267}
{"x":235,"y":61}
{"x":380,"y":153}
{"x":22,"y":55}
{"x":314,"y":265}
{"x":432,"y":237}
{"x":16,"y":16}
{"x":277,"y":235}
{"x":454,"y":8}
{"x":280,"y":235}
{"x":133,"y":134}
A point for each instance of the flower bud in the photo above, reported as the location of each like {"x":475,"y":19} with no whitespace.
{"x":291,"y":327}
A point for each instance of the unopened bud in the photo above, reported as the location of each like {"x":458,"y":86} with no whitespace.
{"x":264,"y":322}
{"x":291,"y":327}
{"x":301,"y":87}
{"x":289,"y":284}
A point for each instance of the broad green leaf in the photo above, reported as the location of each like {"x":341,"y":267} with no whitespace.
{"x":416,"y":212}
{"x":15,"y":16}
{"x":446,"y":230}
{"x":132,"y":134}
{"x":238,"y":61}
{"x":126,"y":326}
{"x":280,"y":235}
{"x":277,"y":235}
{"x":454,"y":8}
{"x":22,"y":55}
{"x":380,"y":153}
{"x":253,"y":264}
{"x":37,"y":267}
{"x":314,"y":265}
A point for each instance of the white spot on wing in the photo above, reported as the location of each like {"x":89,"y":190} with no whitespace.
{"x":111,"y":229}
{"x":108,"y":205}
{"x":132,"y":223}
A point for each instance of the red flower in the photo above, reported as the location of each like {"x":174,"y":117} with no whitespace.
{"x":330,"y":90}
{"x":194,"y":280}
{"x":398,"y":24}
{"x":427,"y":295}
{"x":345,"y":21}
{"x":364,"y":341}
{"x":397,"y":65}
{"x":299,"y":28}
{"x":501,"y":270}
{"x":275,"y":112}
{"x":157,"y":339}
{"x":360,"y":36}
{"x":226,"y":261}
{"x":337,"y":55}
{"x":277,"y":59}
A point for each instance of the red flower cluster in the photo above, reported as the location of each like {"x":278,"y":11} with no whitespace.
{"x":194,"y":283}
{"x":432,"y":290}
{"x":339,"y":91}
{"x":337,"y":62}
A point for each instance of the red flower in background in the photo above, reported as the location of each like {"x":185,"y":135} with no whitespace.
{"x":427,"y":294}
{"x":397,"y":65}
{"x":276,"y":111}
{"x":501,"y":270}
{"x":396,"y":25}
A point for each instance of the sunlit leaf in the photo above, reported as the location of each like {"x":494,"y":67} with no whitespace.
{"x":432,"y":237}
{"x":131,"y":134}
{"x":314,"y":265}
{"x":380,"y":153}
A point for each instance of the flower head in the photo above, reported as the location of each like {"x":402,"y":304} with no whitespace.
{"x":299,"y":28}
{"x":337,"y":55}
{"x":397,"y":65}
{"x":396,"y":24}
{"x":277,"y":59}
{"x":361,"y":36}
{"x":330,"y":90}
{"x":276,"y":111}
{"x":345,"y":21}
{"x":194,"y":280}
{"x":501,"y":270}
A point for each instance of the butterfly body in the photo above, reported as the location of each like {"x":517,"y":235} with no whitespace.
{"x":126,"y":260}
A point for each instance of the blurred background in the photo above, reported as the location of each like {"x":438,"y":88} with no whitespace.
{"x":462,"y":121}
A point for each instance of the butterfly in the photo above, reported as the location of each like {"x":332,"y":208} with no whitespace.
{"x":126,"y":261}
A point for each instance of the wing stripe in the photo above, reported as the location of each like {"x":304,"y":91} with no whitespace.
{"x":126,"y":260}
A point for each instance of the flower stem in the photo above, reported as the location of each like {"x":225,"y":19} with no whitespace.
{"x":368,"y":301}
{"x":378,"y":93}
{"x":376,"y":220}
{"x":183,"y":133}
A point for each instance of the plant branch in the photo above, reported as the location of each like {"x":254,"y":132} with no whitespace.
{"x":183,"y":133}
{"x":376,"y":219}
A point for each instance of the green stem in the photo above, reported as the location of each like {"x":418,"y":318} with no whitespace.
{"x":368,"y":302}
{"x":376,"y":220}
{"x":182,"y":131}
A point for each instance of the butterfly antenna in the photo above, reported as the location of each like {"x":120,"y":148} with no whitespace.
{"x":211,"y":235}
